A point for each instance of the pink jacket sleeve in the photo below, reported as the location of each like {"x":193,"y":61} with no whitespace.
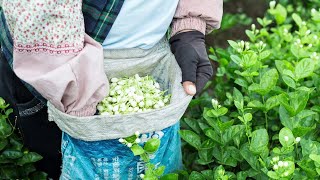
{"x":54,"y":55}
{"x":203,"y":16}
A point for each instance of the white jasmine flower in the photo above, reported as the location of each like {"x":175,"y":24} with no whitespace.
{"x":137,"y":133}
{"x":156,"y":106}
{"x":298,"y":139}
{"x":308,"y":32}
{"x":115,"y":108}
{"x":272,"y":4}
{"x":129,"y":145}
{"x":138,"y":140}
{"x":215,"y":103}
{"x":286,"y":173}
{"x":275,"y":159}
{"x":253,"y":27}
{"x":112,"y":93}
{"x":141,"y":104}
{"x":157,"y":85}
{"x":280,"y":163}
{"x":161,"y":104}
{"x":285,"y":164}
{"x":142,"y":176}
{"x":114,"y":80}
{"x":275,"y":167}
{"x":100,"y":107}
{"x":121,"y":140}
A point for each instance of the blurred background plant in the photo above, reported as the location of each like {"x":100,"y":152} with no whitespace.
{"x":259,"y":116}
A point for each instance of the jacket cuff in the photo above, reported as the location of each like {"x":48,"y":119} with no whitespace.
{"x":86,"y":111}
{"x":190,"y":23}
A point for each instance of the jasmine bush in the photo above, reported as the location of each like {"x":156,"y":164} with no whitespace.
{"x":264,"y":123}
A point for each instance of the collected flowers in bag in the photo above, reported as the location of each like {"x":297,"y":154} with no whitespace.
{"x":133,"y":94}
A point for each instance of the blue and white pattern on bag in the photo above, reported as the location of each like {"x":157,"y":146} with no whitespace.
{"x":109,"y":159}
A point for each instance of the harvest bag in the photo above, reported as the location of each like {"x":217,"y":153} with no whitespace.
{"x":90,"y":145}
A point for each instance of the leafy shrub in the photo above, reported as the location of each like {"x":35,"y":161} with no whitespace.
{"x":265,"y":122}
{"x":15,"y":160}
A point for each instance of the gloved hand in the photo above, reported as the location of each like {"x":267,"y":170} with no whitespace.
{"x":190,"y":52}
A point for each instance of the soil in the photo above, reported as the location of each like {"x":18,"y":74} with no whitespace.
{"x":253,"y":8}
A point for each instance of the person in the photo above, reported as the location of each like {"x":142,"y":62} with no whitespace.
{"x":53,"y":51}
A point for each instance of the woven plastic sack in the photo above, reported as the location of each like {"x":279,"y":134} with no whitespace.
{"x":158,"y":62}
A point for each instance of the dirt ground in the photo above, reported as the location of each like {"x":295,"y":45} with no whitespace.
{"x":253,"y":8}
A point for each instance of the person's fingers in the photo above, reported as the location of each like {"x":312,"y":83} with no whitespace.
{"x":204,"y":74}
{"x":189,"y":87}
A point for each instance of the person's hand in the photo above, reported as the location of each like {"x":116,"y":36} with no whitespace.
{"x":190,"y":52}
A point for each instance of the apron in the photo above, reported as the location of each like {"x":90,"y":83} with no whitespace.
{"x":109,"y":159}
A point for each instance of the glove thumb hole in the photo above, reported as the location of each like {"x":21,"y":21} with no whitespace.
{"x":189,"y":88}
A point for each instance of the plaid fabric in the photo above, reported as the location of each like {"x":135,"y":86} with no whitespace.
{"x":99,"y":16}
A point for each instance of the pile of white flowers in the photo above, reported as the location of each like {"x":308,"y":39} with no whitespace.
{"x":133,"y":94}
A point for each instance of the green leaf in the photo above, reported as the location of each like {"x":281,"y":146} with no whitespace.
{"x":309,"y":147}
{"x":9,"y":111}
{"x":259,"y":141}
{"x":145,"y":157}
{"x":304,"y":68}
{"x":3,"y":143}
{"x":12,"y":154}
{"x":241,"y":82}
{"x":16,"y":144}
{"x":29,"y":158}
{"x":285,"y":118}
{"x":279,"y":13}
{"x":233,"y":44}
{"x":137,"y":150}
{"x":256,"y":104}
{"x":268,"y":81}
{"x":315,"y":158}
{"x":237,"y":60}
{"x":249,"y":157}
{"x":206,"y":154}
{"x":297,"y":19}
{"x":213,"y":135}
{"x":152,"y":145}
{"x":208,"y":144}
{"x":273,"y":175}
{"x":283,"y":65}
{"x":193,"y":124}
{"x":170,"y":176}
{"x":196,"y":176}
{"x":5,"y":129}
{"x":219,"y":172}
{"x":159,"y":171}
{"x":289,"y":81}
{"x":299,"y":100}
{"x":190,"y":137}
{"x":247,"y":117}
{"x":286,"y":137}
{"x":238,"y":99}
{"x":263,"y":55}
{"x":208,"y":174}
{"x":272,"y":102}
{"x":231,"y":133}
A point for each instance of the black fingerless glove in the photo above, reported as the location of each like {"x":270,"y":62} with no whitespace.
{"x":190,"y":51}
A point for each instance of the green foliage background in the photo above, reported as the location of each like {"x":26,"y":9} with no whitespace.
{"x":265,"y":124}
